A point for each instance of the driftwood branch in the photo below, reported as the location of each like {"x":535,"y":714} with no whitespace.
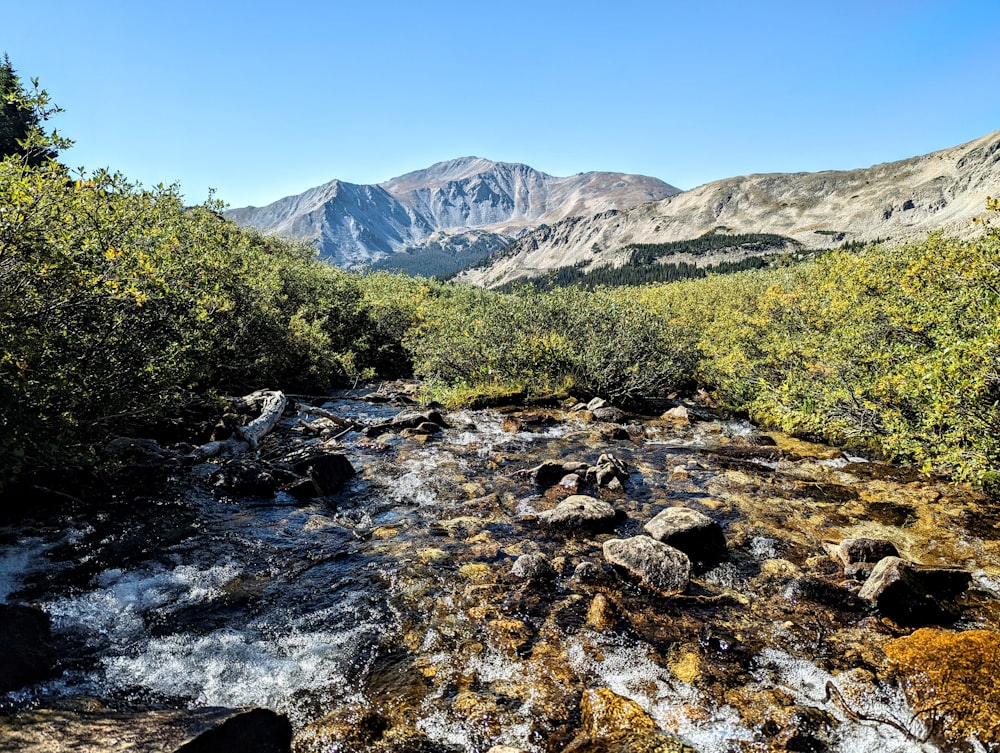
{"x":272,"y":405}
{"x":323,"y":413}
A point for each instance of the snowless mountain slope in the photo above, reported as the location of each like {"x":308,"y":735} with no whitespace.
{"x":354,"y":225}
{"x":897,"y":201}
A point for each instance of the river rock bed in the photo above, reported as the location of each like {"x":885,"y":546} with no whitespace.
{"x":453,"y":590}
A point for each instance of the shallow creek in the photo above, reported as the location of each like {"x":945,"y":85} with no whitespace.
{"x":390,"y":613}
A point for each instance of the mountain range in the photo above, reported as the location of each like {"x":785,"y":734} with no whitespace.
{"x":517,"y":222}
{"x":469,"y":205}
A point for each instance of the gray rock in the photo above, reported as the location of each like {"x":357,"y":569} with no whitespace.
{"x":597,"y":403}
{"x":579,"y":511}
{"x":586,"y":570}
{"x":911,"y":594}
{"x":859,"y":556}
{"x":553,"y":471}
{"x":571,"y":481}
{"x":609,"y":414}
{"x":532,"y":567}
{"x":607,"y":469}
{"x":694,"y":533}
{"x":659,"y":566}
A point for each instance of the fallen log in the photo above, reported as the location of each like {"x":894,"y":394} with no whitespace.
{"x":272,"y":404}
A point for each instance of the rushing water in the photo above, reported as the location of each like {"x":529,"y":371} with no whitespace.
{"x":395,"y":598}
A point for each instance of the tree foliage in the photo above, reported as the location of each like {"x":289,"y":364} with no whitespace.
{"x":22,"y":115}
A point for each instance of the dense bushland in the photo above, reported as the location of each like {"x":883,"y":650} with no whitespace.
{"x":891,"y":349}
{"x":555,"y":343}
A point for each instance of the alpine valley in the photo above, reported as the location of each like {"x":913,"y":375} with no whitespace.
{"x":495,"y":222}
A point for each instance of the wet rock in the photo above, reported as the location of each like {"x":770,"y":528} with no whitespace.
{"x":553,"y":471}
{"x":571,"y":481}
{"x":26,"y":653}
{"x":255,"y":731}
{"x":952,"y":681}
{"x":607,"y":469}
{"x":911,"y":594}
{"x":604,"y":713}
{"x":694,"y":533}
{"x":617,"y":433}
{"x":614,"y":724}
{"x":819,"y":591}
{"x":609,"y":414}
{"x":532,"y":567}
{"x":586,"y":570}
{"x":601,"y":614}
{"x":579,"y":511}
{"x":408,"y":420}
{"x":325,"y":474}
{"x":659,"y":566}
{"x":245,"y":478}
{"x":859,"y":556}
{"x":206,"y":730}
{"x":678,"y":414}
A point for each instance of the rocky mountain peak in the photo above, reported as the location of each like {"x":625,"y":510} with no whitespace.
{"x":353,"y":224}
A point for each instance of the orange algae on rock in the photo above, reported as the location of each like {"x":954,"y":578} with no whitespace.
{"x":952,"y":680}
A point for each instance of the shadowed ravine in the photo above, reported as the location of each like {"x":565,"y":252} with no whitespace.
{"x":391,"y":616}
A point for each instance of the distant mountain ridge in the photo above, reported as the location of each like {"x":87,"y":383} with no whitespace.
{"x":354,"y":225}
{"x":897,"y":201}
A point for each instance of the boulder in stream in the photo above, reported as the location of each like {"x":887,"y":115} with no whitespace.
{"x":659,"y":566}
{"x":608,"y":469}
{"x":912,"y":594}
{"x":323,"y":474}
{"x":859,"y":556}
{"x":694,"y":533}
{"x":579,"y":511}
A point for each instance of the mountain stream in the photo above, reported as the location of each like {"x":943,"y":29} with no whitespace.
{"x":391,"y":617}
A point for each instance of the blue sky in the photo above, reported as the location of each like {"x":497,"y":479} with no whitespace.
{"x":261,"y":100}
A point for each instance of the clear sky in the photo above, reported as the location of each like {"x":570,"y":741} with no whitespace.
{"x":260,"y":100}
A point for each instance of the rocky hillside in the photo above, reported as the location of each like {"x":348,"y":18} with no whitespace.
{"x":897,"y":201}
{"x":354,"y":225}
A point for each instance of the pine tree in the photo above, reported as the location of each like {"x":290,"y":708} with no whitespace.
{"x":21,"y":116}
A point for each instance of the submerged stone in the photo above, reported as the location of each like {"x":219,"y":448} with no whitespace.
{"x":952,"y":681}
{"x":659,"y":566}
{"x":614,"y":724}
{"x":205,"y":730}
